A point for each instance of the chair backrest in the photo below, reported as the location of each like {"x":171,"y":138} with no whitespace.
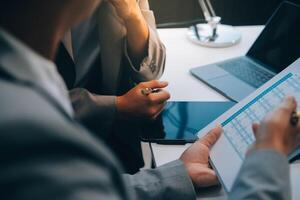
{"x":233,"y":12}
{"x":167,"y":11}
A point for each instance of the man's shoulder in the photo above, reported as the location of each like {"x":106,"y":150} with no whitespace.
{"x":27,"y":118}
{"x":40,"y":148}
{"x":23,"y":102}
{"x":22,"y":106}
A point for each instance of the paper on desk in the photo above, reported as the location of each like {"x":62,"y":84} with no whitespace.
{"x":228,"y":153}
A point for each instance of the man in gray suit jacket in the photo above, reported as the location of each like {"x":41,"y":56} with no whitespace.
{"x":45,"y":154}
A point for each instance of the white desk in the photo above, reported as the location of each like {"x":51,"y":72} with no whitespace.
{"x":182,"y":55}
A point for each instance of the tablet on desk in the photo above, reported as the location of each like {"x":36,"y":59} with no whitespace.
{"x":180,"y":122}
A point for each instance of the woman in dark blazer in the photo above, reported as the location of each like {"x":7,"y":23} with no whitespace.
{"x":112,"y":53}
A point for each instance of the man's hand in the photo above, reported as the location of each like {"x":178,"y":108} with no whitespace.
{"x":134,"y":104}
{"x":275,"y":131}
{"x":196,"y":162}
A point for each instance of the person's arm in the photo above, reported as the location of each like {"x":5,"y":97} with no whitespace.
{"x":57,"y":159}
{"x":265,"y":172}
{"x":144,"y":51}
{"x":170,"y":181}
{"x":92,"y":109}
{"x":178,"y":179}
{"x":264,"y":176}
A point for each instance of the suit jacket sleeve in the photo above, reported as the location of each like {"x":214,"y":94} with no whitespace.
{"x":169,"y":181}
{"x":153,"y":64}
{"x":90,"y":109}
{"x":264,"y":175}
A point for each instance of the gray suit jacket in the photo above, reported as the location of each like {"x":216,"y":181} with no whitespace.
{"x":265,"y":175}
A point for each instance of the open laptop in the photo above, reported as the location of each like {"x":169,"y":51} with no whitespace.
{"x":276,"y":48}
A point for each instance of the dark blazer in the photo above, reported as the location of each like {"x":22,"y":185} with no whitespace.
{"x":103,"y":70}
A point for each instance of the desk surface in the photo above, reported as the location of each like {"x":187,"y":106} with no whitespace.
{"x":182,"y":55}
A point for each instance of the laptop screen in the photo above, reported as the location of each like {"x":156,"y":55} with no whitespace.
{"x":278,"y":45}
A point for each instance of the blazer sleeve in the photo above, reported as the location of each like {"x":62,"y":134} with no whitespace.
{"x":169,"y":181}
{"x":152,"y":66}
{"x":264,"y":175}
{"x":90,"y":109}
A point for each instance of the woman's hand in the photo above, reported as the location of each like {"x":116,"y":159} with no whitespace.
{"x":275,"y":131}
{"x":136,"y":26}
{"x":134,"y":104}
{"x":126,"y":9}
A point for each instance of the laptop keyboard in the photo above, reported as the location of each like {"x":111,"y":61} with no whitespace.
{"x":247,"y":72}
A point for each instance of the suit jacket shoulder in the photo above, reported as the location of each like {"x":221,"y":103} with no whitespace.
{"x":46,"y":156}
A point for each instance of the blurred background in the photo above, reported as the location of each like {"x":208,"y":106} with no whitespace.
{"x":233,"y":12}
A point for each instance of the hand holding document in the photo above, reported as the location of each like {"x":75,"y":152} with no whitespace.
{"x":229,"y":152}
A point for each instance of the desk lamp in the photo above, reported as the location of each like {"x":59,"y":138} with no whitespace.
{"x":212,"y":33}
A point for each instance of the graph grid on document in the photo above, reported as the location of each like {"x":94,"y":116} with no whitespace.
{"x":238,"y":128}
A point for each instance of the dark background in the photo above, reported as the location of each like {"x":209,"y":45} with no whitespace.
{"x":233,"y":12}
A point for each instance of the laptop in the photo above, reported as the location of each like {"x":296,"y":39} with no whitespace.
{"x":276,"y":48}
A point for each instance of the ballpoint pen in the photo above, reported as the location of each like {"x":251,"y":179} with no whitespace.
{"x":147,"y":91}
{"x":295,"y":118}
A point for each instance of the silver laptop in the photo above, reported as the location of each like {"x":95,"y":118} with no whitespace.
{"x":276,"y":48}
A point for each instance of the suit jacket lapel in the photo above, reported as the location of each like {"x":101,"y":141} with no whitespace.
{"x":111,"y":36}
{"x":65,"y":66}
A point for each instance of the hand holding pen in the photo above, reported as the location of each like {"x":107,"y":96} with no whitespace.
{"x":295,"y":118}
{"x":147,"y":91}
{"x":146,"y":100}
{"x":280,"y":129}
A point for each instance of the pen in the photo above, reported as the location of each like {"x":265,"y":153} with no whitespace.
{"x":295,"y":118}
{"x":147,"y":91}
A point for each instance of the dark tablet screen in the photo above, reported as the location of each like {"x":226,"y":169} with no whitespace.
{"x":183,"y":120}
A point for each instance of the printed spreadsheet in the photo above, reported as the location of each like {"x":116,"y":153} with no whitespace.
{"x":238,"y":128}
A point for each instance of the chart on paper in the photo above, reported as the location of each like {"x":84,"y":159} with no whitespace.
{"x":238,"y":127}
